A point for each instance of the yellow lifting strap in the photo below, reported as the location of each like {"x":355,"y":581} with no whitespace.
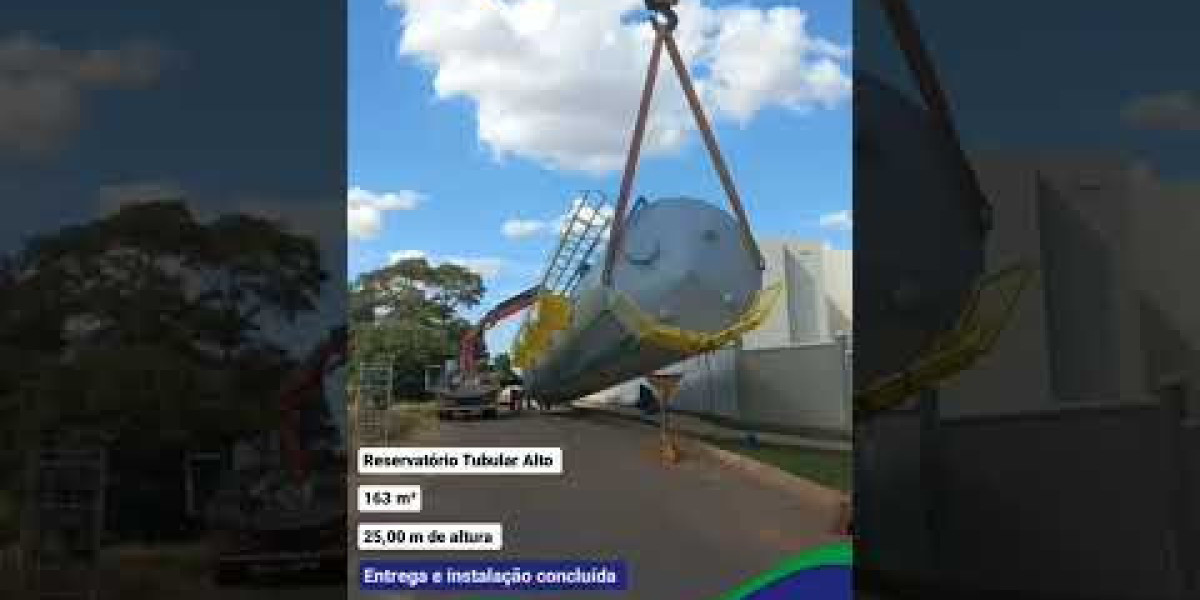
{"x":551,"y":312}
{"x":987,"y":313}
{"x":554,"y":315}
{"x":659,"y":334}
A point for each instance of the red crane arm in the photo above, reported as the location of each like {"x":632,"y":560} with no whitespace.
{"x":472,"y":340}
{"x":310,"y":378}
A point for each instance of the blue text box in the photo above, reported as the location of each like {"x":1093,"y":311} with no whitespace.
{"x":492,"y":576}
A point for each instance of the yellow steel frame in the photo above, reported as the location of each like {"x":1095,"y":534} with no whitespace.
{"x":987,"y":313}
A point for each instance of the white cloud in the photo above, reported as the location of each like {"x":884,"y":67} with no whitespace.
{"x":523,"y":228}
{"x":402,"y":200}
{"x":765,"y":57}
{"x":42,"y":88}
{"x":597,"y":217}
{"x":526,"y":228}
{"x":400,"y":255}
{"x":486,"y":267}
{"x":558,"y":82}
{"x":365,"y":208}
{"x":1175,"y":111}
{"x":842,"y":220}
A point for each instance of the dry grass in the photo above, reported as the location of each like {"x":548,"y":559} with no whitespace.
{"x":180,"y":572}
{"x":406,"y":421}
{"x":177,"y":558}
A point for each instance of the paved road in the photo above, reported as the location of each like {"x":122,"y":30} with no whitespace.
{"x":692,"y":531}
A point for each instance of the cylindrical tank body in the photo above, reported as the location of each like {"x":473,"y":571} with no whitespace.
{"x":918,"y":251}
{"x":918,"y":237}
{"x":684,"y":264}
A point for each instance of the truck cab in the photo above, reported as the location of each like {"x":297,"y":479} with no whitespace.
{"x":280,"y":511}
{"x":456,"y":395}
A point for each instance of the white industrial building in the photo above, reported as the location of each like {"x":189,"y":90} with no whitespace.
{"x":1076,"y":440}
{"x":1104,"y":321}
{"x":792,"y":374}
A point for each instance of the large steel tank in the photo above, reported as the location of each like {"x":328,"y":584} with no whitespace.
{"x":918,"y":235}
{"x":919,"y":251}
{"x":683,"y":264}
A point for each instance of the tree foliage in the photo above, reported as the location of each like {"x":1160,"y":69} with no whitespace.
{"x":152,"y":273}
{"x":408,"y":314}
{"x":502,"y":365}
{"x":148,"y":323}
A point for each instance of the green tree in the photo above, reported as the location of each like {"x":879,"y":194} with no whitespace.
{"x":152,"y":290}
{"x":252,"y":269}
{"x":409,"y":313}
{"x":414,"y":288}
{"x":502,"y":365}
{"x":148,"y":325}
{"x":151,"y":273}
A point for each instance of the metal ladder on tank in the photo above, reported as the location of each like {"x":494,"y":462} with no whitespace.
{"x":586,"y":225}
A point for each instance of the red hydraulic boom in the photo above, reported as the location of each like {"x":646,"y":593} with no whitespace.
{"x":471,"y":348}
{"x":298,"y":395}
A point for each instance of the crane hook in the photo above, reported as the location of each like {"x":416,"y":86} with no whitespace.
{"x":667,"y":10}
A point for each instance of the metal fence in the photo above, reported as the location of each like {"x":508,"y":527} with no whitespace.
{"x":375,"y":384}
{"x":68,"y":518}
{"x":374,"y":396}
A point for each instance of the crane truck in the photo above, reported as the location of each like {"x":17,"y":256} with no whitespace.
{"x":283,"y":510}
{"x":459,"y":386}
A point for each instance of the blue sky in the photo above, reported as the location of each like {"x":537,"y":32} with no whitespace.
{"x":1056,"y":76}
{"x":236,"y":121}
{"x":792,"y":166}
{"x":187,"y":127}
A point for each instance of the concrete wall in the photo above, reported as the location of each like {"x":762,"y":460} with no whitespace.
{"x":1075,"y":335}
{"x":777,"y":330}
{"x":818,"y":295}
{"x":1055,"y":444}
{"x":1054,"y":441}
{"x":1114,"y":310}
{"x":1075,"y":500}
{"x":797,"y":387}
{"x":1165,"y":229}
{"x":709,"y":384}
{"x":839,"y":289}
{"x":801,"y":388}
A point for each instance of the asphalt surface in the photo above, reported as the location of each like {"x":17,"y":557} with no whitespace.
{"x":690,"y":531}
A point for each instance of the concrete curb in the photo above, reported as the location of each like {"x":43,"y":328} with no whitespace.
{"x":834,"y":502}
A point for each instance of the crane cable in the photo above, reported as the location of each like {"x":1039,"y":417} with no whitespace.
{"x":908,"y":37}
{"x":974,"y":335}
{"x":663,"y":36}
